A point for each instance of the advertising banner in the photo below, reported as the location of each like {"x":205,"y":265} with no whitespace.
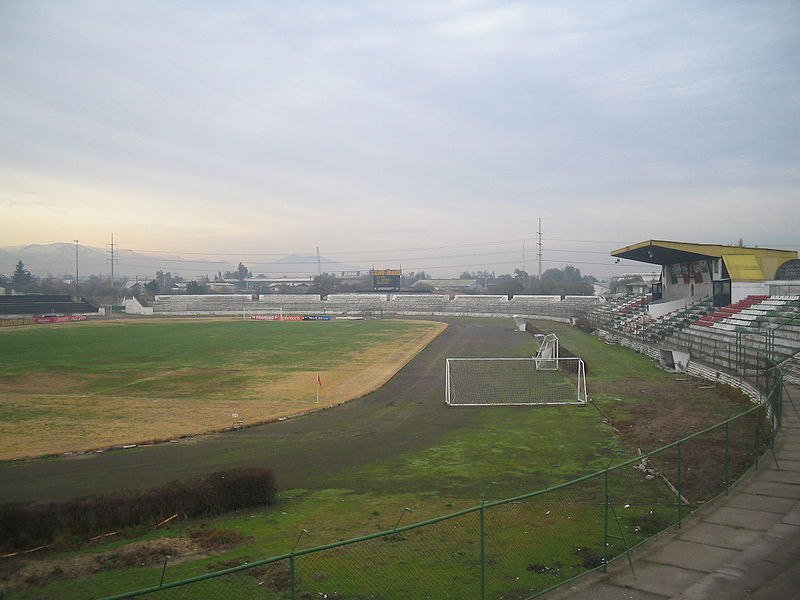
{"x":290,"y":317}
{"x":60,"y":319}
{"x":15,"y":322}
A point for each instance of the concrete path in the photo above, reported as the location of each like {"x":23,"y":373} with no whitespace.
{"x":744,"y":545}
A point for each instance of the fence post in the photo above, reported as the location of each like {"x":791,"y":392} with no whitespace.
{"x":292,"y":566}
{"x":605,"y":522}
{"x":757,"y":440}
{"x":483,"y":553}
{"x":292,"y":579}
{"x":680,"y":484}
{"x":163,"y":570}
{"x":727,"y":458}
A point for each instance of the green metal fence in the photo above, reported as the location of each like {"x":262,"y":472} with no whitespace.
{"x":516,"y":548}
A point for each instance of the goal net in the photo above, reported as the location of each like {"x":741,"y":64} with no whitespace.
{"x":514,"y":382}
{"x":547,"y":356}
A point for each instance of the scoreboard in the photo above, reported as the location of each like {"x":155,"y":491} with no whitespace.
{"x":386,"y":280}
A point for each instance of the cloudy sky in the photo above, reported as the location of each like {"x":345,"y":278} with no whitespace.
{"x":427,"y":134}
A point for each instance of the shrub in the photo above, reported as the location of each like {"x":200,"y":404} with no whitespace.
{"x":28,"y":525}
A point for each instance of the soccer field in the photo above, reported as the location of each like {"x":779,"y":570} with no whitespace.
{"x":93,"y":385}
{"x":357,"y":468}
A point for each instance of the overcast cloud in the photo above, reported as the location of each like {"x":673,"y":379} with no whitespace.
{"x":431,"y":134}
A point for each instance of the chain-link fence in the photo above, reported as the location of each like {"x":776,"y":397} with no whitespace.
{"x":515,"y":548}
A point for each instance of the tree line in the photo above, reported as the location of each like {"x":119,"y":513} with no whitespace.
{"x":566,"y":281}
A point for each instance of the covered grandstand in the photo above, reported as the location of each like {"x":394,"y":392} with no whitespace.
{"x":692,"y":271}
{"x":714,"y":306}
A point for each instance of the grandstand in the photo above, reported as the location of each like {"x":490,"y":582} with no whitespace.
{"x":417,"y":304}
{"x":37,"y":305}
{"x":713,"y":304}
{"x":191,"y":304}
{"x":287,"y":303}
{"x":376,"y":304}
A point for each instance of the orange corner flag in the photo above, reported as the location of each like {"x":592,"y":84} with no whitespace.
{"x":319,"y":381}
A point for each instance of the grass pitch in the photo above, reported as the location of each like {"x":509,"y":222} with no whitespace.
{"x":86,"y":386}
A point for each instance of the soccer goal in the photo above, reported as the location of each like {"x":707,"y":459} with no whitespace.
{"x":547,"y":356}
{"x":514,"y":382}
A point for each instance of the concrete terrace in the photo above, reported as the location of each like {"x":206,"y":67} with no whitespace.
{"x":742,"y":546}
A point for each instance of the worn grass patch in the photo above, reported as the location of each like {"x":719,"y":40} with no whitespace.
{"x":92,"y":386}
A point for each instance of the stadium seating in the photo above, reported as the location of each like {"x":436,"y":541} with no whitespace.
{"x":417,"y":304}
{"x":370,"y":304}
{"x":737,"y":337}
{"x":213,"y":304}
{"x":37,"y":305}
{"x":302,"y":304}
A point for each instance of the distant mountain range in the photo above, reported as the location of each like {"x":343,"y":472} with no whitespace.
{"x":58,"y":260}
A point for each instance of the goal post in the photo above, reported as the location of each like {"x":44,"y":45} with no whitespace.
{"x":514,"y":382}
{"x":547,"y":356}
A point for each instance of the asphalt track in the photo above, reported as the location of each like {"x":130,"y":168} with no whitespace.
{"x":406,"y":414}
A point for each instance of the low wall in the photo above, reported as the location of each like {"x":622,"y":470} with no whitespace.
{"x":697,"y":369}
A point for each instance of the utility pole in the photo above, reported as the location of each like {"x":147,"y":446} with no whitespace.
{"x":524,"y":268}
{"x":77,"y":288}
{"x":539,"y":244}
{"x":112,"y":245}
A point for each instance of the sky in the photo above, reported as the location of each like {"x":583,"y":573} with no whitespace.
{"x":427,"y":135}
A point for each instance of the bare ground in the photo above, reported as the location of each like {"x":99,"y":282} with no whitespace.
{"x":21,"y":572}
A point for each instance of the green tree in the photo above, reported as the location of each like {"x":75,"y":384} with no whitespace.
{"x":506,"y":285}
{"x":196,"y":287}
{"x":571,"y":274}
{"x":152,"y":287}
{"x":324,"y":284}
{"x":22,"y":279}
{"x":242,"y":272}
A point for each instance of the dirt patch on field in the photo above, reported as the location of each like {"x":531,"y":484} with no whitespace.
{"x":52,"y":416}
{"x":669,"y":410}
{"x":676,"y":409}
{"x":18,"y":573}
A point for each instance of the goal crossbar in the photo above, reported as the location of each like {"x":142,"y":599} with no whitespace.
{"x":514,"y":382}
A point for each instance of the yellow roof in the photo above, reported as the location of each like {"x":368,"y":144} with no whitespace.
{"x":743,"y":267}
{"x":744,"y":263}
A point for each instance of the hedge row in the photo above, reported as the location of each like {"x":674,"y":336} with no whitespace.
{"x":25,"y":526}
